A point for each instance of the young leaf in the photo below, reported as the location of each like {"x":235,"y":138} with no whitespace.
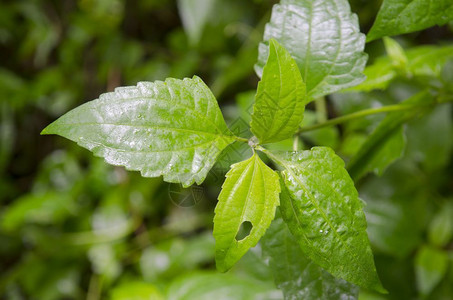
{"x":404,"y":16}
{"x":295,"y":274}
{"x":323,"y":211}
{"x":385,"y":68}
{"x":249,"y":195}
{"x":172,"y":128}
{"x":280,"y":99}
{"x":378,"y":75}
{"x":428,"y":60}
{"x":387,"y":142}
{"x":396,"y":53}
{"x":324,"y":38}
{"x":419,"y":61}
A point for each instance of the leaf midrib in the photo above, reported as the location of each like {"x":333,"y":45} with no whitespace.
{"x":317,"y":207}
{"x":147,"y":151}
{"x":173,"y":102}
{"x":199,"y":132}
{"x":231,"y":195}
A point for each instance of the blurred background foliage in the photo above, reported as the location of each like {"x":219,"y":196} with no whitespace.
{"x":73,"y":227}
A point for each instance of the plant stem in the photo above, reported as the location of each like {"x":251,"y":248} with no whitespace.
{"x":240,"y":139}
{"x":361,"y":114}
{"x":321,"y":110}
{"x":271,"y":155}
{"x":296,"y":143}
{"x":94,"y":288}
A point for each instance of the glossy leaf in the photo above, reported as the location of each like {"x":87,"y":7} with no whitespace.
{"x":280,"y":98}
{"x":295,"y":274}
{"x":430,"y":267}
{"x":324,"y":38}
{"x":386,"y":143}
{"x":323,"y":211}
{"x":404,"y":16}
{"x":249,"y":194}
{"x":172,"y":128}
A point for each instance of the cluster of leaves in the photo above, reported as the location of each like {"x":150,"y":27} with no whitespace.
{"x":307,"y":214}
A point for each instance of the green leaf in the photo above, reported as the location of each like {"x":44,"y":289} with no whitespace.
{"x":428,"y":60}
{"x":396,"y":53}
{"x":172,"y":257}
{"x":430,"y":267}
{"x":136,"y":290}
{"x":172,"y":128}
{"x":395,"y":220}
{"x":432,"y":151}
{"x":391,"y":149}
{"x":210,"y":285}
{"x":322,"y":209}
{"x":378,"y":76}
{"x":280,"y":98}
{"x":40,"y":208}
{"x":404,"y":16}
{"x":447,"y":72}
{"x":7,"y":133}
{"x":421,"y":61}
{"x":244,"y":102}
{"x":327,"y":136}
{"x":249,"y":196}
{"x":440,"y":230}
{"x":324,"y":38}
{"x":386,"y":143}
{"x":385,"y":68}
{"x":194,"y":15}
{"x":295,"y":274}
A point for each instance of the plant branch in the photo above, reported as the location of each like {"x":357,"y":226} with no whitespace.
{"x":361,"y":114}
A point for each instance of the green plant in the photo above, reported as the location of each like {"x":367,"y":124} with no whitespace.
{"x":175,"y":129}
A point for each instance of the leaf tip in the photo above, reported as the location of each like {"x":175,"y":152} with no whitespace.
{"x":371,"y":36}
{"x":47,"y":130}
{"x":379,"y":288}
{"x":221,"y":266}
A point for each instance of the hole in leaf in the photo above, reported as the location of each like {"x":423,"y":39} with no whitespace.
{"x":244,"y":230}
